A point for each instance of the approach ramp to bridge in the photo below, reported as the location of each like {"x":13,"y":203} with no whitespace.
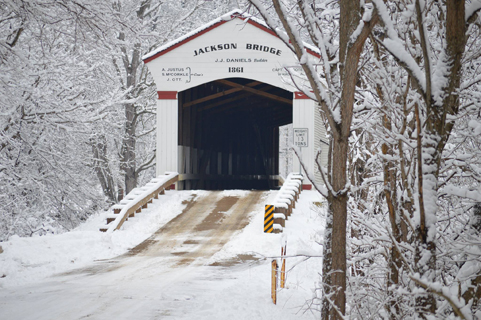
{"x":203,"y":228}
{"x":208,"y":221}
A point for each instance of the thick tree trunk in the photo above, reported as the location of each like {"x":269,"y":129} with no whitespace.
{"x":327,"y":263}
{"x":334,"y":262}
{"x":349,"y":54}
{"x":349,"y":20}
{"x":339,"y":227}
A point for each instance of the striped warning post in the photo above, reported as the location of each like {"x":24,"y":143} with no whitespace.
{"x":269,"y":219}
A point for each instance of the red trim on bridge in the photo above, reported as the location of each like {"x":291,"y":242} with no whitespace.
{"x":167,"y":95}
{"x":300,"y":95}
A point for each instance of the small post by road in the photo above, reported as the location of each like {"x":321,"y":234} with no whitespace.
{"x":283,"y":268}
{"x":274,"y":281}
{"x":269,"y":219}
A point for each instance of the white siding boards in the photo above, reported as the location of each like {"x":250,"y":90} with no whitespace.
{"x":229,"y":59}
{"x":306,"y":115}
{"x":167,"y":133}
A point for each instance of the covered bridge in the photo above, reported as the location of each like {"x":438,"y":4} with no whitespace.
{"x":223,"y":92}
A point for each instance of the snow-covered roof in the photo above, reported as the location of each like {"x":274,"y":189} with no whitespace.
{"x":234,"y":14}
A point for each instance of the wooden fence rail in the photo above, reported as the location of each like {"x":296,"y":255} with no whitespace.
{"x":136,"y":200}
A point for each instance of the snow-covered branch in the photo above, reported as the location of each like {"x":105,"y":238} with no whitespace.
{"x":459,"y":308}
{"x":396,"y":47}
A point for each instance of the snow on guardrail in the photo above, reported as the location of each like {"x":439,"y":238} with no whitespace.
{"x":284,"y":202}
{"x":137,"y":199}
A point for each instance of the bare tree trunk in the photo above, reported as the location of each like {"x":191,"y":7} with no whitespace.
{"x":425,"y":248}
{"x":128,"y":160}
{"x":131,"y":77}
{"x":436,"y":134}
{"x":327,"y":264}
{"x":473,"y":292}
{"x":334,"y":262}
{"x":339,"y":227}
{"x":407,"y":199}
{"x":349,"y":54}
{"x":128,"y":154}
{"x":390,"y":192}
{"x":102,"y":169}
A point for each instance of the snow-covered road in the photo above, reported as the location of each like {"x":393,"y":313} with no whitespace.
{"x":197,"y":265}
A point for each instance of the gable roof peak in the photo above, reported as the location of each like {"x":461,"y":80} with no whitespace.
{"x":229,"y":16}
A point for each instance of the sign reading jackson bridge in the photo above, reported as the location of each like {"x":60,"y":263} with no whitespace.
{"x":230,"y":47}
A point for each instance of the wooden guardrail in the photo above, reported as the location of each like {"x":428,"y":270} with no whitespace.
{"x":285,"y":201}
{"x":138,"y":199}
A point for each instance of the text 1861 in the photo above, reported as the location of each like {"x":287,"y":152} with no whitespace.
{"x":236,"y":69}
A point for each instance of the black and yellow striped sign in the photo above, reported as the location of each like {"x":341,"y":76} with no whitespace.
{"x":269,"y":219}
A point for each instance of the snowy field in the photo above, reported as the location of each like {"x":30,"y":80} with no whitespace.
{"x":38,"y":278}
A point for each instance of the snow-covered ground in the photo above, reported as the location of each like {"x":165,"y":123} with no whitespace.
{"x":36,"y":284}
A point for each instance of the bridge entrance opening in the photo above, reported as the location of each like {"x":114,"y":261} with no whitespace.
{"x":228,"y":134}
{"x":224,"y":89}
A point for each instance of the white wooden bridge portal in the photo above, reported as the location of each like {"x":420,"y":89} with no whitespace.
{"x":223,"y":91}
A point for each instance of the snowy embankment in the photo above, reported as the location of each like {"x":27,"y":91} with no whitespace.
{"x":229,"y":291}
{"x":27,"y":260}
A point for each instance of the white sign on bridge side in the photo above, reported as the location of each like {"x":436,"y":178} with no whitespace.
{"x":300,"y":137}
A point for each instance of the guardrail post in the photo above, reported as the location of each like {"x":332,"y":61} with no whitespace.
{"x":274,"y":282}
{"x":280,"y":219}
{"x":283,"y":268}
{"x":285,"y":202}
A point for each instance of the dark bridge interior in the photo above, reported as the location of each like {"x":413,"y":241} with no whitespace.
{"x":229,"y":134}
